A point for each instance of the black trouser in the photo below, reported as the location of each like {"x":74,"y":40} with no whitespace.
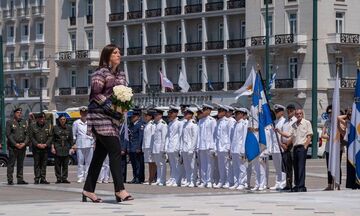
{"x":16,"y":156}
{"x":61,"y":167}
{"x":330,"y":178}
{"x":288,"y":168}
{"x":40,"y":162}
{"x":124,"y":166}
{"x":351,"y":176}
{"x":137,"y":163}
{"x":105,"y":145}
{"x":299,"y":166}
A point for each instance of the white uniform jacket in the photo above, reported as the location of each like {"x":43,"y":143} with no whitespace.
{"x":273,"y":140}
{"x":222,"y":135}
{"x":238,"y":137}
{"x":148,"y":138}
{"x":189,"y":136}
{"x":173,"y":136}
{"x":206,"y":134}
{"x":79,"y":130}
{"x":159,"y":137}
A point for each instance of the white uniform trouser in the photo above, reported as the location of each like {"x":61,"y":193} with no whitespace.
{"x":215,"y":177}
{"x":175,"y":174}
{"x":240,"y":170}
{"x":249,"y":171}
{"x":280,"y":176}
{"x":260,"y":172}
{"x":105,"y":170}
{"x":189,"y":165}
{"x":231,"y":173}
{"x":160,"y":167}
{"x":84,"y":156}
{"x":223,"y":165}
{"x":206,"y":163}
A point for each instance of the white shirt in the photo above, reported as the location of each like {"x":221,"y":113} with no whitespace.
{"x":83,"y":140}
{"x":148,"y":135}
{"x":222,"y":135}
{"x":159,"y":138}
{"x":173,"y":136}
{"x":287,"y":127}
{"x":189,"y":136}
{"x":239,"y":136}
{"x":206,"y":134}
{"x":273,"y":140}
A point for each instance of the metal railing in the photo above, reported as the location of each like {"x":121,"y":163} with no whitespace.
{"x":72,"y":21}
{"x":284,"y":83}
{"x":349,"y":38}
{"x":172,"y":10}
{"x":195,"y":8}
{"x":214,"y":6}
{"x":153,"y":12}
{"x":193,"y":46}
{"x":65,"y":55}
{"x":347,"y":83}
{"x":13,"y":92}
{"x":136,"y":88}
{"x":153,"y":49}
{"x":134,"y":14}
{"x":236,"y":43}
{"x":82,"y":90}
{"x":258,"y":40}
{"x":173,"y":48}
{"x":216,"y":86}
{"x":195,"y":86}
{"x":214,"y":45}
{"x":89,"y":19}
{"x":134,"y":50}
{"x":284,"y":39}
{"x":37,"y":10}
{"x":65,"y":91}
{"x":116,"y":16}
{"x":235,"y":85}
{"x":236,"y":4}
{"x":82,"y":54}
{"x":23,"y":12}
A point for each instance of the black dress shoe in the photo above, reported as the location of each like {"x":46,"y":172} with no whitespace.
{"x":65,"y":181}
{"x":302,"y":189}
{"x":132,"y":181}
{"x":58,"y":182}
{"x":37,"y":182}
{"x":22,"y":182}
{"x":44,"y":182}
{"x":10,"y":183}
{"x":295,"y":189}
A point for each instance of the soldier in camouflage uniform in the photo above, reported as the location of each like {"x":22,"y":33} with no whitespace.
{"x":17,"y":139}
{"x":41,"y":139}
{"x":62,"y":146}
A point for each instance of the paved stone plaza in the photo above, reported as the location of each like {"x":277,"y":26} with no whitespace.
{"x":63,"y":199}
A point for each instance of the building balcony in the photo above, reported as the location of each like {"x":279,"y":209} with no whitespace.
{"x":210,"y":45}
{"x":23,"y":12}
{"x":38,"y":10}
{"x":195,"y":8}
{"x":9,"y":14}
{"x":116,"y":16}
{"x":39,"y":38}
{"x":153,"y":12}
{"x":136,"y":88}
{"x":30,"y":66}
{"x":284,"y":39}
{"x":347,"y":83}
{"x":134,"y":14}
{"x":153,"y":49}
{"x":195,"y":86}
{"x":134,"y":51}
{"x":173,"y":48}
{"x":214,"y":6}
{"x":72,"y":91}
{"x":89,"y":19}
{"x":26,"y":93}
{"x":235,"y":85}
{"x":10,"y":41}
{"x":72,"y":21}
{"x":193,"y":46}
{"x":172,"y":11}
{"x":236,"y":43}
{"x":25,"y":39}
{"x":337,"y":41}
{"x":78,"y":55}
{"x":154,"y":89}
{"x":258,"y":40}
{"x":215,"y":86}
{"x":284,"y":83}
{"x":233,"y":4}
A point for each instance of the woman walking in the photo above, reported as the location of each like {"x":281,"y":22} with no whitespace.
{"x":103,"y":123}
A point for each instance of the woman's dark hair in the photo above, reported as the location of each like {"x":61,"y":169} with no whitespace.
{"x":106,"y":54}
{"x":328,"y":108}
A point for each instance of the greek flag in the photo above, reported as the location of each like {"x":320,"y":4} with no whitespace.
{"x":14,"y":88}
{"x":354,"y":132}
{"x":261,"y":118}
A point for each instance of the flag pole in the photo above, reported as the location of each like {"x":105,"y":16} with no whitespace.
{"x":273,"y":124}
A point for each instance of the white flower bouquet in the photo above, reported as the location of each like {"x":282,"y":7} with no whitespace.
{"x":122,"y":98}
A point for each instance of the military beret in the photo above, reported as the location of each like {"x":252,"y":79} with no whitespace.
{"x":17,"y":109}
{"x":207,"y":106}
{"x":278,"y":108}
{"x":223,"y":107}
{"x":290,"y":106}
{"x":83,"y":109}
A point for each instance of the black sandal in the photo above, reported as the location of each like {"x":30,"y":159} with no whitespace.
{"x":127,"y":198}
{"x":84,"y":199}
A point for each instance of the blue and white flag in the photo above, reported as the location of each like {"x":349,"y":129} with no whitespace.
{"x":272,"y":81}
{"x":354,"y":132}
{"x":14,"y":88}
{"x":261,"y":118}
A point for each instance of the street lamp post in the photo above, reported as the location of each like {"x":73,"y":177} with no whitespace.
{"x":314,"y":110}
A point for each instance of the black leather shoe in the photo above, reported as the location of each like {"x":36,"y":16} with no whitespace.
{"x":37,"y":182}
{"x":132,"y":181}
{"x":44,"y":182}
{"x":58,"y":182}
{"x":303,"y":189}
{"x":10,"y":183}
{"x":22,"y":182}
{"x":65,"y":181}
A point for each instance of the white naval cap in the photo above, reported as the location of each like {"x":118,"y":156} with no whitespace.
{"x":223,"y":107}
{"x":174,"y":108}
{"x":243,"y":110}
{"x":279,"y":107}
{"x":207,"y":106}
{"x":188,"y":110}
{"x":230,"y":108}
